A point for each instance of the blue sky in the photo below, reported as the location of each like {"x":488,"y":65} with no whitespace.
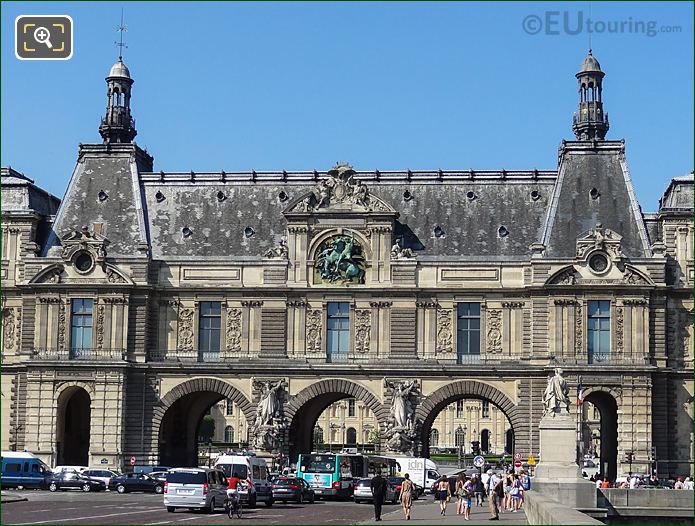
{"x":299,"y":86}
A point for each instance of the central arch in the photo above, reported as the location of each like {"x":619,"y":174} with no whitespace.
{"x":304,"y":409}
{"x":73,"y":429}
{"x":428,"y":410}
{"x":605,"y":400}
{"x":178,"y":414}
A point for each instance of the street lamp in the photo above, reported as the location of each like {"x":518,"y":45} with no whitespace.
{"x":461,"y":443}
{"x":209,"y":452}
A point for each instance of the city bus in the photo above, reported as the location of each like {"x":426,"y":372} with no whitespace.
{"x":386,"y":466}
{"x":332,"y":474}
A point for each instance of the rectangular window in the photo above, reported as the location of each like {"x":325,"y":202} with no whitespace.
{"x":337,"y":331}
{"x":486,"y":409}
{"x":467,"y":331}
{"x":209,"y":330}
{"x":459,"y":409}
{"x":599,"y":331}
{"x":351,"y":407}
{"x":81,"y":326}
{"x":230,"y":407}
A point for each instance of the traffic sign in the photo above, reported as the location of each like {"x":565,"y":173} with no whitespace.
{"x":517,"y":456}
{"x":517,"y":463}
{"x":132,"y":461}
{"x":531,"y":461}
{"x":104,"y":461}
{"x":479,"y":461}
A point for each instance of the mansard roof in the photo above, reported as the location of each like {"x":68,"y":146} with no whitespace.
{"x":21,"y":195}
{"x":679,"y":194}
{"x":469,"y":214}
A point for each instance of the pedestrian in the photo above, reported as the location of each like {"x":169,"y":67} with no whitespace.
{"x":493,"y":482}
{"x":507,"y":504}
{"x":679,"y":483}
{"x":606,"y":483}
{"x":460,"y":493}
{"x":407,"y":488}
{"x":516,"y":493}
{"x":469,"y":490}
{"x":378,"y":487}
{"x":688,"y":483}
{"x":443,"y":494}
{"x":479,"y":490}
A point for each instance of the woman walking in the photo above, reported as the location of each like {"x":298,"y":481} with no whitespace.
{"x":443,"y":494}
{"x":460,"y":493}
{"x":469,"y":490}
{"x":407,"y":488}
{"x":516,"y":494}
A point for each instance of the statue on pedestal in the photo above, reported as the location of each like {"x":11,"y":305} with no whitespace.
{"x":556,"y":396}
{"x":270,"y":422}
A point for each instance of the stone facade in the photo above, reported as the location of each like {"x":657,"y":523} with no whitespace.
{"x":160,"y":294}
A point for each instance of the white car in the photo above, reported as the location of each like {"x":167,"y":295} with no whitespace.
{"x":60,"y":469}
{"x":104,"y":475}
{"x":363,"y":492}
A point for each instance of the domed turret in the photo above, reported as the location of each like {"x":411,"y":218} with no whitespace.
{"x":118,"y":125}
{"x":590,"y":123}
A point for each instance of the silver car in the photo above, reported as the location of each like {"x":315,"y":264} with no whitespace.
{"x":363,"y":492}
{"x":195,"y":488}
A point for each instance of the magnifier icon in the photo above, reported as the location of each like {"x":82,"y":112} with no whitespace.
{"x":42,"y":36}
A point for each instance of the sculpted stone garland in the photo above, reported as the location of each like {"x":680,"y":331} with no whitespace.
{"x":61,"y":325}
{"x":314,"y":326}
{"x":186,"y":329}
{"x":8,"y":329}
{"x":100,"y":326}
{"x":579,"y":331}
{"x":363,"y":327}
{"x":445,"y":336}
{"x":494,"y":333}
{"x":619,"y":329}
{"x":233,"y":330}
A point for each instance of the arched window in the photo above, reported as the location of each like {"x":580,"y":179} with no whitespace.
{"x":434,"y":438}
{"x":229,"y":434}
{"x":485,"y":440}
{"x":351,"y":436}
{"x":460,"y":437}
{"x":318,"y":436}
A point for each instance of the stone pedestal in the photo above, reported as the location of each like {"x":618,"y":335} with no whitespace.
{"x":557,"y":475}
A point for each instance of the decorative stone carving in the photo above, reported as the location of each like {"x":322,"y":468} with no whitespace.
{"x":566,"y":277}
{"x":494,"y":332}
{"x":556,"y":396}
{"x":9,"y":325}
{"x":401,"y":253}
{"x":101,"y":310}
{"x":84,"y":240}
{"x":339,"y":260}
{"x":340,"y":189}
{"x":402,"y":427}
{"x":280,"y":251}
{"x":62,"y":318}
{"x":114,"y":277}
{"x":233,"y":330}
{"x":363,"y":327}
{"x":185,"y":342}
{"x":599,"y":238}
{"x":633,"y":278}
{"x":619,"y":329}
{"x":445,"y":335}
{"x":579,"y":331}
{"x":270,"y":421}
{"x":314,"y":328}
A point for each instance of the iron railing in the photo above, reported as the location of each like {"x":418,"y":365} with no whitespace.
{"x":81,"y":354}
{"x":608,"y":358}
{"x":186,"y":356}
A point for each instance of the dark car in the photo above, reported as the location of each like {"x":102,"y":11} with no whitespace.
{"x":74,"y":480}
{"x":294,"y":489}
{"x":136,"y":482}
{"x":159,"y":475}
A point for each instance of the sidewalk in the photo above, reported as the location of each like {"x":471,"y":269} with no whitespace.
{"x":6,"y":496}
{"x":426,"y":511}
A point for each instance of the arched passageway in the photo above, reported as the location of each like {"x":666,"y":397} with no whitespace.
{"x":179,"y":414}
{"x":73,"y":433}
{"x":608,"y":434}
{"x":304,"y":410}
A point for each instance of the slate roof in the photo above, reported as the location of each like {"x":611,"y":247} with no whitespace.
{"x":469,"y":207}
{"x":679,"y":194}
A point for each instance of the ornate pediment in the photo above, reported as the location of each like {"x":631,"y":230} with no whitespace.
{"x":77,"y":243}
{"x":599,"y":239}
{"x":339,"y":191}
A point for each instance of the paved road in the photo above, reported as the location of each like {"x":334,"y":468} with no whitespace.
{"x":75,"y":507}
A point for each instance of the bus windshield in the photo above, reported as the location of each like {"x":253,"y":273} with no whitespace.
{"x":317,"y":463}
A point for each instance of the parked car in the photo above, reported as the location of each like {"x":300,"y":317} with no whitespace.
{"x":397,"y":481}
{"x":159,"y":475}
{"x":20,"y":469}
{"x":74,"y":480}
{"x":294,"y":489}
{"x":60,"y":469}
{"x":363,"y":492}
{"x":136,"y":482}
{"x":200,"y":488}
{"x":105,"y":475}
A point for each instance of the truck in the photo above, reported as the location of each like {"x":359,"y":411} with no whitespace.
{"x":422,"y":471}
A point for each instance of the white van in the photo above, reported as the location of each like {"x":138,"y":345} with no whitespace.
{"x":423,"y":472}
{"x":253,"y":469}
